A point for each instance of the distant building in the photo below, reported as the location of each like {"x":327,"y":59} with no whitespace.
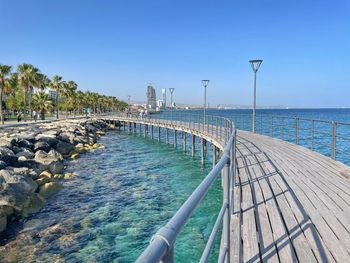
{"x":151,"y":97}
{"x":52,"y":93}
{"x":164,"y":97}
{"x":160,"y":104}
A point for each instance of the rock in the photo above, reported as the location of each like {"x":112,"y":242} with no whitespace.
{"x":64,"y":148}
{"x":23,"y":171}
{"x":52,"y":141}
{"x":7,"y":156}
{"x":69,"y":175}
{"x":16,"y":149}
{"x":23,"y":143}
{"x":3,"y":222}
{"x":22,"y":158}
{"x":3,"y":165}
{"x":30,"y":137}
{"x":20,"y":182}
{"x":75,"y":156}
{"x":100,"y":133}
{"x":79,"y":148}
{"x":98,"y":146}
{"x":27,"y":153}
{"x":43,"y":146}
{"x":52,"y":161}
{"x":36,"y":202}
{"x":66,"y":137}
{"x":49,"y":189}
{"x":5,"y":143}
{"x":58,"y":176}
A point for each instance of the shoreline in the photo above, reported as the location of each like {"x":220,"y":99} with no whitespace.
{"x":33,"y":160}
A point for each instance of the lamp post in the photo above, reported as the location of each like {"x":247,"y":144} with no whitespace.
{"x":205,"y":83}
{"x":171,"y":102}
{"x":255,"y":63}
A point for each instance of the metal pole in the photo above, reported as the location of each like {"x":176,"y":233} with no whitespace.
{"x":175,"y":139}
{"x":166,"y":135}
{"x":205,"y":100}
{"x":152,"y":132}
{"x":193,"y":144}
{"x":334,"y":140}
{"x":214,"y":155}
{"x":296,"y":130}
{"x":202,"y":151}
{"x":158,"y":133}
{"x":254,"y":105}
{"x":184,"y":141}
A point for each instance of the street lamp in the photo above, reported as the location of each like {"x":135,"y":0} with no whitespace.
{"x":205,"y":83}
{"x":255,"y":63}
{"x":171,"y":102}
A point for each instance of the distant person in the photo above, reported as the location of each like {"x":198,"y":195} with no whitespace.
{"x":35,"y":115}
{"x":19,"y":116}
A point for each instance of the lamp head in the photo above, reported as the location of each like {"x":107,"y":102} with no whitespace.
{"x":205,"y":82}
{"x":255,"y":63}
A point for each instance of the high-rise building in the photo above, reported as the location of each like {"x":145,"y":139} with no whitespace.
{"x":151,"y":97}
{"x":164,"y":97}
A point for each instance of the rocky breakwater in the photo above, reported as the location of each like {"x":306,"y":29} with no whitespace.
{"x":33,"y":159}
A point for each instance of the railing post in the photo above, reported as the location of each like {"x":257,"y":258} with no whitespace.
{"x":334,"y":140}
{"x":151,"y":132}
{"x":271,"y":127}
{"x":312,"y":134}
{"x":217,"y":132}
{"x":175,"y":138}
{"x":296,"y":131}
{"x":226,"y":219}
{"x":158,"y":133}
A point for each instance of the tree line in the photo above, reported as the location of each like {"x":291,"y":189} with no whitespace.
{"x":23,"y":91}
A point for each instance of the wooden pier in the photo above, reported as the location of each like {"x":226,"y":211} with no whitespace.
{"x":289,"y":204}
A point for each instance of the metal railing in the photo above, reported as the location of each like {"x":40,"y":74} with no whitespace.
{"x":161,"y":247}
{"x":330,"y":138}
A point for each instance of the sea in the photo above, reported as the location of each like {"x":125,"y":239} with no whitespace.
{"x":122,"y":194}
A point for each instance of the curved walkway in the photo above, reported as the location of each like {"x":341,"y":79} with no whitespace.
{"x":290,"y":204}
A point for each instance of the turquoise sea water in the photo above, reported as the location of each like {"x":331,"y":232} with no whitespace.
{"x":119,"y":198}
{"x":281,"y":124}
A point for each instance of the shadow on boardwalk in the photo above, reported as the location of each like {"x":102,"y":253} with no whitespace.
{"x":272,"y":225}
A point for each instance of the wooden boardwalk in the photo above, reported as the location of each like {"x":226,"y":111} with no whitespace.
{"x":290,"y":204}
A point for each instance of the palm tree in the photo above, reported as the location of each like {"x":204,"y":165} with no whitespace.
{"x":5,"y":76}
{"x":42,"y":103}
{"x":27,"y":76}
{"x":57,"y":84}
{"x":43,"y":81}
{"x":68,"y":90}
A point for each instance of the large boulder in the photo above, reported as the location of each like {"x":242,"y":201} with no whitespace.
{"x":5,"y":143}
{"x":15,"y":190}
{"x":23,"y":143}
{"x":51,"y":161}
{"x":43,"y":146}
{"x":27,"y":153}
{"x":52,"y":141}
{"x":49,"y":189}
{"x":7,"y":156}
{"x":64,"y":148}
{"x":67,"y":137}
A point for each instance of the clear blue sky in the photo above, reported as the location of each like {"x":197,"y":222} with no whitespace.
{"x":117,"y":47}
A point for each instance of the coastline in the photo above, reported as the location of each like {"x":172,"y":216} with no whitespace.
{"x":33,"y":160}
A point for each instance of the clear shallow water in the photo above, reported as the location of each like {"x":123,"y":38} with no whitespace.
{"x":119,"y":198}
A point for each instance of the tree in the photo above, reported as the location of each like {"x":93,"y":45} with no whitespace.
{"x":67,"y":91}
{"x":42,"y":103}
{"x":5,"y":76}
{"x":57,"y":84}
{"x":27,"y":77}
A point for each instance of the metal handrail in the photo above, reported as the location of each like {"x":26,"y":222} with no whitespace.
{"x":161,"y":247}
{"x":324,"y":135}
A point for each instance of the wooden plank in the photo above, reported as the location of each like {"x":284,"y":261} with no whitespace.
{"x":266,"y":240}
{"x":322,"y":227}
